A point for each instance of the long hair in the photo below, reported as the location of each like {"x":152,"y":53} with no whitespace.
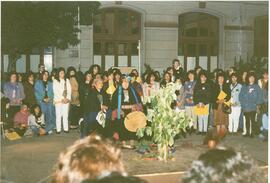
{"x":32,"y":110}
{"x":69,"y":69}
{"x":91,"y":69}
{"x":57,"y":74}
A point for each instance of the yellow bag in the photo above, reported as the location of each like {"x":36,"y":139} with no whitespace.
{"x":12,"y":136}
{"x":201,"y":110}
{"x":222,"y":95}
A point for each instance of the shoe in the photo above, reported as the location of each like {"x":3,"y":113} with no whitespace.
{"x":58,"y":132}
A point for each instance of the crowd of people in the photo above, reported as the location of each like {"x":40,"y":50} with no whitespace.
{"x":45,"y":103}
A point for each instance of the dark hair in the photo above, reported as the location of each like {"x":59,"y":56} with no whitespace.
{"x":220,"y":74}
{"x":69,"y":69}
{"x":203,"y":73}
{"x":116,"y":178}
{"x":157,"y":76}
{"x":168,"y":74}
{"x":168,"y":68}
{"x":91,"y":69}
{"x":60,"y":69}
{"x":12,"y":73}
{"x":42,"y":74}
{"x":132,"y":71}
{"x":32,"y":110}
{"x":251,"y":74}
{"x":198,"y":67}
{"x":29,"y":74}
{"x":149,"y":77}
{"x":117,"y":72}
{"x":191,"y":72}
{"x":175,"y":60}
{"x":224,"y":165}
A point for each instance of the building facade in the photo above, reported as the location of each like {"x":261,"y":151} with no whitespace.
{"x":207,"y":34}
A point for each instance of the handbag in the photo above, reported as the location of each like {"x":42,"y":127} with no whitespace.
{"x":226,"y":109}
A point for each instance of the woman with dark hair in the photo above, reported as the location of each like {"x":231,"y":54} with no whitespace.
{"x":178,"y":71}
{"x":221,"y":96}
{"x":197,"y":70}
{"x":235,"y":103}
{"x":158,"y":77}
{"x":53,"y":74}
{"x":202,"y":99}
{"x":14,"y":91}
{"x":94,"y":69}
{"x":189,"y":102}
{"x":170,"y":70}
{"x":150,"y":87}
{"x":250,"y":98}
{"x":44,"y":98}
{"x":117,"y":77}
{"x":62,"y":97}
{"x":28,"y":86}
{"x":166,"y":79}
{"x":36,"y":120}
{"x":74,"y":110}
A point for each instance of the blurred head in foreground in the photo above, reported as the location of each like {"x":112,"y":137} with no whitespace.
{"x":224,"y":166}
{"x":87,"y":158}
{"x":116,"y":178}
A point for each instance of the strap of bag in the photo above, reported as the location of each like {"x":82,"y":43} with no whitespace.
{"x":119,"y":102}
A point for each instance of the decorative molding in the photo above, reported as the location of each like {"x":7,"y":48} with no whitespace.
{"x":238,"y":27}
{"x":161,"y":24}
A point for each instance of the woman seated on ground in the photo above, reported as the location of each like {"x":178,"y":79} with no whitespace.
{"x":224,"y":166}
{"x":36,"y":121}
{"x":21,"y":120}
{"x":88,"y":158}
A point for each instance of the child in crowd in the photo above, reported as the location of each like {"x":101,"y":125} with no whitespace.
{"x":36,"y":121}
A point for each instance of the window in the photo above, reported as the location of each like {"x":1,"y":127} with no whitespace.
{"x":198,"y":40}
{"x":261,"y":36}
{"x":116,"y":35}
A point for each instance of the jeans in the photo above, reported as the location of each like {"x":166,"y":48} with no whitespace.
{"x":203,"y":123}
{"x":49,"y":115}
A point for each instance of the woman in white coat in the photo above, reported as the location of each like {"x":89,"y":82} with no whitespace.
{"x":62,"y":96}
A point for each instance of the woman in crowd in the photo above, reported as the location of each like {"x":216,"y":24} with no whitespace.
{"x":136,"y":83}
{"x":14,"y":91}
{"x":96,"y":101}
{"x":202,"y":99}
{"x":94,"y":69}
{"x":158,"y":77}
{"x":125,"y":100}
{"x":117,"y":77}
{"x":74,"y":111}
{"x":166,"y":79}
{"x":44,"y":97}
{"x":36,"y":120}
{"x":189,"y":98}
{"x":221,"y":96}
{"x":109,"y":86}
{"x":150,"y":87}
{"x":250,"y":99}
{"x":62,"y":97}
{"x":235,"y":104}
{"x":180,"y":94}
{"x":28,"y":86}
{"x":170,"y":71}
{"x":21,"y":120}
{"x":88,"y":158}
{"x":178,"y":71}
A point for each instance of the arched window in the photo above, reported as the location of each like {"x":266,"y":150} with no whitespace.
{"x":261,"y":36}
{"x":198,"y":40}
{"x":116,"y":35}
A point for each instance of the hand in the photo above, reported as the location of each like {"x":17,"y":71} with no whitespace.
{"x":221,"y":101}
{"x":104,"y":108}
{"x":46,"y":100}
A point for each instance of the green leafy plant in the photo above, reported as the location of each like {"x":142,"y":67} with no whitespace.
{"x":166,"y":123}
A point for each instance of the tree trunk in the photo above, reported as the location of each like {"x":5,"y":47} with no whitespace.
{"x":12,"y":59}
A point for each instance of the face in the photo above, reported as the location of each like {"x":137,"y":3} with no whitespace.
{"x":265,"y":76}
{"x":125,"y":84}
{"x":135,"y":72}
{"x":191,"y":77}
{"x":45,"y":76}
{"x":110,"y":77}
{"x":61,"y":74}
{"x":72,"y":73}
{"x":203,"y":78}
{"x":13,"y":78}
{"x":24,"y":108}
{"x":251,"y":79}
{"x":176,"y":64}
{"x":99,"y":84}
{"x":95,"y":70}
{"x":88,"y":77}
{"x":117,"y":77}
{"x":152,"y":78}
{"x":31,"y":78}
{"x":220,"y":79}
{"x":42,"y":68}
{"x":167,"y":77}
{"x":234,"y":79}
{"x":37,"y":110}
{"x":170,"y":71}
{"x":98,"y":76}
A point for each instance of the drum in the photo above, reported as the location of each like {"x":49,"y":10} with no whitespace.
{"x":134,"y":121}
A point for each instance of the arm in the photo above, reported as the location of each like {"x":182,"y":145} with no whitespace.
{"x":38,"y":92}
{"x":68,"y":89}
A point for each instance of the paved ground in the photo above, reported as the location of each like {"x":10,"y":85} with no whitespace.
{"x":31,"y":160}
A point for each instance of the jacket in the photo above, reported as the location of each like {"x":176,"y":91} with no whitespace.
{"x":235,"y":91}
{"x":250,"y":96}
{"x":58,"y":90}
{"x":14,"y":92}
{"x":202,"y":93}
{"x":216,"y":90}
{"x":30,"y":98}
{"x":189,"y":92}
{"x":40,"y":91}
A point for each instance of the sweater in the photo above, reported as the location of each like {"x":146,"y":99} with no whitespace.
{"x":14,"y":92}
{"x":202,"y":93}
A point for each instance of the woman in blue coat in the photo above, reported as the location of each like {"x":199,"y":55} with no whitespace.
{"x":44,"y":97}
{"x":250,"y":98}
